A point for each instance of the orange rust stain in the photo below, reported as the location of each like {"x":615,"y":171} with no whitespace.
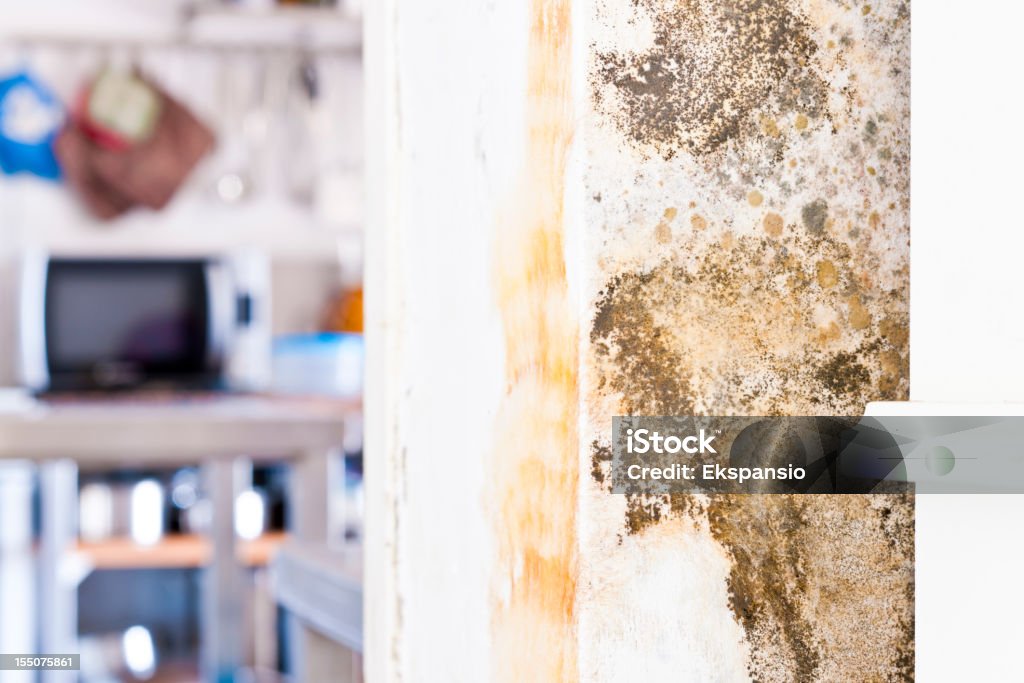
{"x":535,"y":461}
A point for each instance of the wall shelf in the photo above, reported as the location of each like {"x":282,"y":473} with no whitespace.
{"x":204,"y":25}
{"x":175,"y":551}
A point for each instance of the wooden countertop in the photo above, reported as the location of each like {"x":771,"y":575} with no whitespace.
{"x":175,"y":551}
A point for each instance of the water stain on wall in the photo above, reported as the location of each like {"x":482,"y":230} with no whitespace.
{"x":535,"y":466}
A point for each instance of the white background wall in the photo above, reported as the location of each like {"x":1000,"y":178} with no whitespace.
{"x":431,"y":307}
{"x":967,"y":320}
{"x":967,"y":244}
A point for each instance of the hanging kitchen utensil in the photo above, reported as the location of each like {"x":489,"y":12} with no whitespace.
{"x":233,"y":182}
{"x":303,"y":145}
{"x":130,"y":143}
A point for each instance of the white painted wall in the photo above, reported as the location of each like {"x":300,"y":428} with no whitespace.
{"x":444,"y":117}
{"x":967,"y":326}
{"x":967,"y":242}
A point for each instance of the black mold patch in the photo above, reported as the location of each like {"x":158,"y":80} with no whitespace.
{"x":652,"y":376}
{"x":814,"y":216}
{"x":843,"y":375}
{"x":600,"y":457}
{"x":652,"y":336}
{"x":718,"y":71}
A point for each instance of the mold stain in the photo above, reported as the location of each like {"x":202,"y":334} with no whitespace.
{"x":773,"y":224}
{"x":822,"y":585}
{"x":786,"y":295}
{"x":649,"y":376}
{"x":534,"y":462}
{"x":718,"y":72}
{"x":815,"y":215}
{"x":731,"y":331}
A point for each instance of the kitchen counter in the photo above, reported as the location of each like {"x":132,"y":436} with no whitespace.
{"x":169,"y":429}
{"x":210,"y":430}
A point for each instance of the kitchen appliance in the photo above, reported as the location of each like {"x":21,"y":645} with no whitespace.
{"x":102,"y":323}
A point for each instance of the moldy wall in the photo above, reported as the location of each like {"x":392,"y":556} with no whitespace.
{"x":584,"y":208}
{"x":747,"y":233}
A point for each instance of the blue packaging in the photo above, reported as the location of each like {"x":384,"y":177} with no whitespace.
{"x":30,"y":119}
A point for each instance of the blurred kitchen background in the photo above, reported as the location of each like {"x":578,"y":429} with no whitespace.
{"x":223,"y":136}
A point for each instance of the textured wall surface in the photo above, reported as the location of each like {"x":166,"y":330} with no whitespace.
{"x":594,"y":207}
{"x":748,"y":238}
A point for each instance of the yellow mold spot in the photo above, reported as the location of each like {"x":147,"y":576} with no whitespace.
{"x":663,"y":233}
{"x":828,"y":333}
{"x":860,"y":318}
{"x":773,"y":224}
{"x":827,"y":275}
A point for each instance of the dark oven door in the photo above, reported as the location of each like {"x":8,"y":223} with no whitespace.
{"x":117,"y":323}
